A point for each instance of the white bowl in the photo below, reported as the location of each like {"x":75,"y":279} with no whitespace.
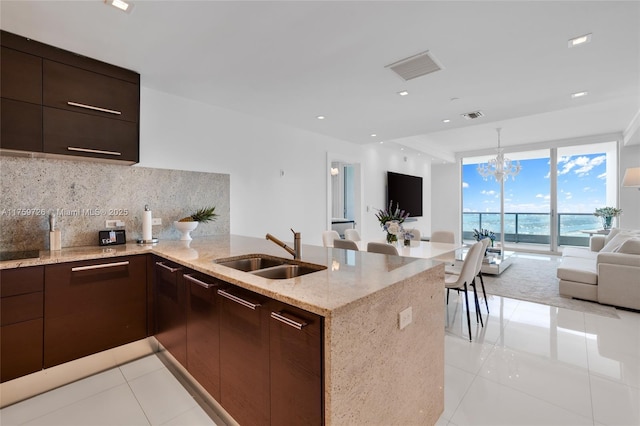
{"x":185,"y":228}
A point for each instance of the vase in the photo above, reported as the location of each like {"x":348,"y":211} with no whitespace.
{"x":391,"y":238}
{"x":607,"y":221}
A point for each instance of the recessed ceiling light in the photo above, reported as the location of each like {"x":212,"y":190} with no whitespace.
{"x":577,"y":41}
{"x":120,"y":4}
{"x":401,"y":149}
{"x":446,"y":120}
{"x":381,"y":142}
{"x":373,"y":135}
{"x":403,"y":93}
{"x":321,"y":117}
{"x":579,"y":94}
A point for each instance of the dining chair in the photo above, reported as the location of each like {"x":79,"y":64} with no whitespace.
{"x":445,"y":237}
{"x":485,"y":244}
{"x":463,"y":281}
{"x":345,"y":244}
{"x":382,"y":248}
{"x":351,"y":234}
{"x":417,"y":236}
{"x":442,"y":237}
{"x":328,"y":237}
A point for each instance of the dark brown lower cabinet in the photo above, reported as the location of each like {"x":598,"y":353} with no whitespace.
{"x":91,"y":306}
{"x":171,"y":309}
{"x":244,"y":355}
{"x":203,"y":331}
{"x":21,"y":309}
{"x":295,"y":358}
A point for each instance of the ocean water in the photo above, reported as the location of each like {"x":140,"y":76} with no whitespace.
{"x":532,"y":223}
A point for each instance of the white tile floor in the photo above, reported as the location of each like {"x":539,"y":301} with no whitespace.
{"x":534,"y":364}
{"x":530,"y":365}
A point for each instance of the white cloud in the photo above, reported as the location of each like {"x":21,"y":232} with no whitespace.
{"x":465,"y":185}
{"x":485,"y":192}
{"x":582,"y":165}
{"x":602,"y":175}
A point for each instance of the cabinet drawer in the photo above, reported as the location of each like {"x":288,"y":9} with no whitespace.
{"x":71,"y":133}
{"x":78,"y":90}
{"x":93,"y":306}
{"x":20,"y":125}
{"x":20,"y":76}
{"x":20,"y":308}
{"x":20,"y":349}
{"x":21,"y":281}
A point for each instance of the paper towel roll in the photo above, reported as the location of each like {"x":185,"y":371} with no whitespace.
{"x":146,"y":225}
{"x":55,"y":240}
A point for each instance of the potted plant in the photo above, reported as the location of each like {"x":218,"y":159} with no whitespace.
{"x":607,"y":214}
{"x":481,"y":234}
{"x":391,"y":221}
{"x":189,"y":223}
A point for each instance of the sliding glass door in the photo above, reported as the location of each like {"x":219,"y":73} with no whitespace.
{"x":550,"y":203}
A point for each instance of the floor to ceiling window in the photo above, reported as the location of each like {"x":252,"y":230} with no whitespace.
{"x":550,"y":203}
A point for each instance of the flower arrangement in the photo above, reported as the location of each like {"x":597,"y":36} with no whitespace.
{"x":391,"y":221}
{"x":481,"y":234}
{"x":607,"y":213}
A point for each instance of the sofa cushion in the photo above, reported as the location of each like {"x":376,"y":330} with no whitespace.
{"x":580,"y":252}
{"x":578,"y":269}
{"x":631,"y":246}
{"x":614,"y":244}
{"x":612,"y":233}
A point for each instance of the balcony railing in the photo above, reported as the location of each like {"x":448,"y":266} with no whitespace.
{"x":534,"y":228}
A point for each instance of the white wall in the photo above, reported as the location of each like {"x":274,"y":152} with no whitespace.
{"x":445,"y":205}
{"x":178,"y":133}
{"x":629,"y":197}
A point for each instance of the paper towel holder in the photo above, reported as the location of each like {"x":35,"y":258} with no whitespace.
{"x":151,"y":240}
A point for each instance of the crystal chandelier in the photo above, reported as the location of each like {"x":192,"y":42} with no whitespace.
{"x":500,"y":167}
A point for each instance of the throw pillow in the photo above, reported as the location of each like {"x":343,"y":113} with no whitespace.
{"x":631,"y":246}
{"x":615,"y":243}
{"x":612,"y":233}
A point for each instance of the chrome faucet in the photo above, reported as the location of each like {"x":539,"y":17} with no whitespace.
{"x":295,"y":251}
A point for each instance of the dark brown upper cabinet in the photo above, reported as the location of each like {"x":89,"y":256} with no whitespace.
{"x":57,"y":102}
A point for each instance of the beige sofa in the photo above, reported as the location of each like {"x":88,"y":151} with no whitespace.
{"x":607,"y":272}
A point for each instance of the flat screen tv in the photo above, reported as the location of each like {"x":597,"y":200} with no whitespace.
{"x":406,"y":190}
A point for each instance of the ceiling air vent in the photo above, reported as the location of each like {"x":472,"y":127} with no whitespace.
{"x":473,"y":115}
{"x":415,"y":66}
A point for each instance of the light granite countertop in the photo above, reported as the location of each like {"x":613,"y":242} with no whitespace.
{"x":350,"y":276}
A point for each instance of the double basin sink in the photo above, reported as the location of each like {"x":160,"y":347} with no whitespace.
{"x":272,"y":267}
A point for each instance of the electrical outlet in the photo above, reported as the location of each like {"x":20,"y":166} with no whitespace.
{"x":404,"y":318}
{"x":113,"y":223}
{"x":156,"y":221}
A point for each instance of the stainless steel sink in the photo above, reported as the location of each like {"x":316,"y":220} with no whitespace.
{"x":268,"y":266}
{"x":287,"y":271}
{"x":249,"y":264}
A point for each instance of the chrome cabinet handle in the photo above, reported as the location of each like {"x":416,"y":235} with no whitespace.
{"x":100,"y":266}
{"x":295,"y":324}
{"x":169,"y":268}
{"x":189,"y":277}
{"x":94,"y":108}
{"x":237,"y":299}
{"x":93,"y":151}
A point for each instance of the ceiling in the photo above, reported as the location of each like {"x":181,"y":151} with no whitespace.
{"x":291,"y":61}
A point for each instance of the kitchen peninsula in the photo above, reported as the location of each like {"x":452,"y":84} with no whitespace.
{"x":373,"y":371}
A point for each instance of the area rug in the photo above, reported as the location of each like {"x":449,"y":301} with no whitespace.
{"x":534,"y":280}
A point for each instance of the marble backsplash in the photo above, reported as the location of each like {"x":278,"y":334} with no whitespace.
{"x":86,"y":194}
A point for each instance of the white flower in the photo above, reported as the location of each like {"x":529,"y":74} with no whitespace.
{"x":394,"y":228}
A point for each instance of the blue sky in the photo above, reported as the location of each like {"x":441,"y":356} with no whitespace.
{"x":581,"y":186}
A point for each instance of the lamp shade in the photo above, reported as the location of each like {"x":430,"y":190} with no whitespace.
{"x":631,"y":177}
